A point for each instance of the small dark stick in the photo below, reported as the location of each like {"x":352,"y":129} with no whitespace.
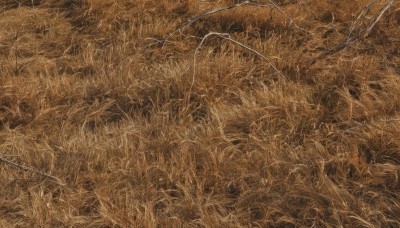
{"x":31,"y":170}
{"x":16,"y":55}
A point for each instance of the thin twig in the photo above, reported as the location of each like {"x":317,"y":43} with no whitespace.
{"x":31,"y":170}
{"x":197,"y":18}
{"x":364,"y":123}
{"x":363,"y":12}
{"x":377,"y":17}
{"x":352,"y":38}
{"x":227,"y":36}
{"x":193,"y":20}
{"x":290,"y":19}
{"x":383,"y":121}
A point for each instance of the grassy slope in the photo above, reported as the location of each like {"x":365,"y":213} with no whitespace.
{"x":86,"y":96}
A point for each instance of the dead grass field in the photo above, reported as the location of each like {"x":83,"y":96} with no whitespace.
{"x":146,"y":133}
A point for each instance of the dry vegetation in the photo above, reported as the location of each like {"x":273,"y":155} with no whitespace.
{"x":92,"y":94}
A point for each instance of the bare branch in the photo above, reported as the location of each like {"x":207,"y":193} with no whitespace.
{"x":352,"y":38}
{"x":227,"y":36}
{"x":197,"y":18}
{"x":377,"y":17}
{"x":193,"y":20}
{"x":363,"y":12}
{"x":289,"y":18}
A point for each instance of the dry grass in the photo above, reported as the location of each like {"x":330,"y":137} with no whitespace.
{"x":90,"y":94}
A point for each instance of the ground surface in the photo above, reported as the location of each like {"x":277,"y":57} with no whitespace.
{"x":145,"y":133}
